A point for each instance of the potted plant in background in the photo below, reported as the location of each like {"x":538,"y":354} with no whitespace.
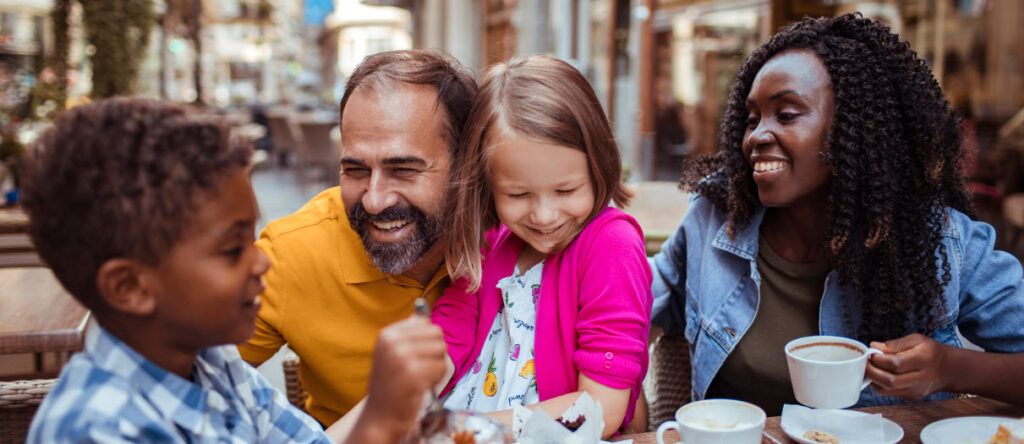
{"x":11,"y":151}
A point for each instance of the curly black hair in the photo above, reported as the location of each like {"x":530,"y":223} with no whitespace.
{"x":897,"y":162}
{"x":121,"y":178}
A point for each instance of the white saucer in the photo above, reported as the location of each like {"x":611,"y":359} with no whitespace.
{"x":962,"y":430}
{"x":892,"y":433}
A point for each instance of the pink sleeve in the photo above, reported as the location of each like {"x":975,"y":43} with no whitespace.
{"x":615,"y":306}
{"x":456,"y":312}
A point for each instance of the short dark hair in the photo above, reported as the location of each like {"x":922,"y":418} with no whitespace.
{"x":121,"y":178}
{"x":455,"y":85}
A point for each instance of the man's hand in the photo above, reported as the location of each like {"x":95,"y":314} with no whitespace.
{"x":409,"y":359}
{"x":911,"y":367}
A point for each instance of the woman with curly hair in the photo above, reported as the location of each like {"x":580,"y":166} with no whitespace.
{"x":837,"y":205}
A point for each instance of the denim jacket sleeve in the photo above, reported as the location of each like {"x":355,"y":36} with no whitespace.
{"x":669,"y":284}
{"x":991,"y":295}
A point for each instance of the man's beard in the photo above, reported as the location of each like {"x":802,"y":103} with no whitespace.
{"x":398,"y":256}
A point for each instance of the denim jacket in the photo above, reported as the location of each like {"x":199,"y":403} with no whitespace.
{"x":707,"y":287}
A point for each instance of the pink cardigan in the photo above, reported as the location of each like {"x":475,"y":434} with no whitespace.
{"x":593,"y":314}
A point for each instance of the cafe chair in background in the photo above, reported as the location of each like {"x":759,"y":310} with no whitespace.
{"x":1013,"y":213}
{"x":670,"y":361}
{"x":285,"y":136}
{"x":292,"y":384}
{"x":321,"y":151}
{"x":19,"y":401}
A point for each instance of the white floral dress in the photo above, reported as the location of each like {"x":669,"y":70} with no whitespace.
{"x":503,"y":374}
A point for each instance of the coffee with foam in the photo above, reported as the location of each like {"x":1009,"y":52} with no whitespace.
{"x":827,"y":351}
{"x":715,"y":421}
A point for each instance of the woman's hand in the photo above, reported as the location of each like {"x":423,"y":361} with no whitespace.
{"x":911,"y":367}
{"x":916,"y":366}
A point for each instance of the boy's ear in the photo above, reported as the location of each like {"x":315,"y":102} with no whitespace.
{"x":121,"y":285}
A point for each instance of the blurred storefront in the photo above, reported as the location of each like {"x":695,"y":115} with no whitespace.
{"x":23,"y":39}
{"x":355,"y":30}
{"x":974,"y":47}
{"x":663,"y":68}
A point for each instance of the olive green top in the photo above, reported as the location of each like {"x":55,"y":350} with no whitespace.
{"x":756,"y":370}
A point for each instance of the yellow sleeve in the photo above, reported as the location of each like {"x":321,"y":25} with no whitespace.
{"x":267,"y":339}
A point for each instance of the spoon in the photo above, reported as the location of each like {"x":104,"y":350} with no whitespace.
{"x":436,"y":418}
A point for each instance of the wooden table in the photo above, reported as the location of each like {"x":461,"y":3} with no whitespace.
{"x":912,"y":417}
{"x":36,"y":314}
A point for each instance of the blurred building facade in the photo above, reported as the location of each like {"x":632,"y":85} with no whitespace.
{"x":24,"y":33}
{"x":663,"y":68}
{"x":355,"y":30}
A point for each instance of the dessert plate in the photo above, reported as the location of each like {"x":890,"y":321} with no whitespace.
{"x":962,"y":430}
{"x":891,"y":432}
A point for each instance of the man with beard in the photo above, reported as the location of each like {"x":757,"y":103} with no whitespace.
{"x":356,"y":257}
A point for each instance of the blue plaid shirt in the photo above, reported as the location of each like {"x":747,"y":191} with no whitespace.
{"x":111,"y":393}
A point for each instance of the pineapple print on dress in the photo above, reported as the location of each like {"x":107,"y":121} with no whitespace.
{"x":528,"y":370}
{"x":491,"y":381}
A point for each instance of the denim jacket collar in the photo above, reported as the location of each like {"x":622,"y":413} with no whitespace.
{"x":745,"y":244}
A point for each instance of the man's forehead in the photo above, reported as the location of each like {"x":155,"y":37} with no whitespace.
{"x":400,"y":123}
{"x":388,"y":91}
{"x":406,"y":106}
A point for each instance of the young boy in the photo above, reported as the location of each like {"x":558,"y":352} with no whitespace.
{"x":146,"y":215}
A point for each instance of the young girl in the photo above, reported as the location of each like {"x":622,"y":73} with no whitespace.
{"x":536,"y":252}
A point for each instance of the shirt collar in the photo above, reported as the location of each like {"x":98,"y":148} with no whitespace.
{"x":175,"y":398}
{"x":745,"y":243}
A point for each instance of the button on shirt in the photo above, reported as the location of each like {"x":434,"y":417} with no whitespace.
{"x":111,"y":393}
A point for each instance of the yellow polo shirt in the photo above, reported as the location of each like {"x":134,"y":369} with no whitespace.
{"x":327,"y":301}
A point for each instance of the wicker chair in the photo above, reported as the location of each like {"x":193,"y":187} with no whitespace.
{"x":292,"y":384}
{"x":670,"y":360}
{"x":18,"y":403}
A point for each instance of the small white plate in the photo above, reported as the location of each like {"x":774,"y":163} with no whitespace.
{"x":963,"y":430}
{"x":892,"y":433}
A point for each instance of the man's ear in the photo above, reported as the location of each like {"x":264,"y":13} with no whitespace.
{"x":121,"y":285}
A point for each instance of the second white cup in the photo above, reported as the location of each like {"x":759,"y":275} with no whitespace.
{"x":716,"y":421}
{"x":827,"y":372}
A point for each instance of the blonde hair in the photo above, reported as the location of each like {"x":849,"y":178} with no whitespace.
{"x":541,"y":98}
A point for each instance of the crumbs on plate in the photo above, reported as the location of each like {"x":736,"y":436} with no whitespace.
{"x":819,"y":436}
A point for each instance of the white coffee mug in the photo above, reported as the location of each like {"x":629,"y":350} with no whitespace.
{"x":716,"y":421}
{"x":827,"y":372}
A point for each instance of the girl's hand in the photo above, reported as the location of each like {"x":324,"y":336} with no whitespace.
{"x":911,"y":367}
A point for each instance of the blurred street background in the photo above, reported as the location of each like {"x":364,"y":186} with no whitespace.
{"x":275,"y":70}
{"x":662,"y":68}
